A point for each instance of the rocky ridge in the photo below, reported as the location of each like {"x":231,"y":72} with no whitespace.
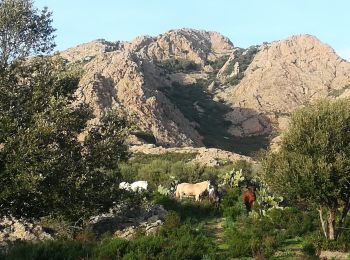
{"x":285,"y":75}
{"x":241,"y":93}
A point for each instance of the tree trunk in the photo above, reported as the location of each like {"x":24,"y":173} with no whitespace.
{"x":331,"y":224}
{"x":322,"y":223}
{"x":343,"y":217}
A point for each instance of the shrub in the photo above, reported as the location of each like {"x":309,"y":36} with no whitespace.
{"x":178,"y":65}
{"x":309,"y":249}
{"x":218,"y":63}
{"x":147,"y":137}
{"x":252,"y":237}
{"x":111,"y":248}
{"x":54,"y":250}
{"x":186,"y":243}
{"x":172,"y":221}
{"x":294,"y":222}
{"x":231,"y":204}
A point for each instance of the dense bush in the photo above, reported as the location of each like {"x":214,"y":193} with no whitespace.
{"x":146,"y":136}
{"x":294,"y":222}
{"x":218,"y":63}
{"x":178,"y":65}
{"x":231,"y":204}
{"x":262,"y":236}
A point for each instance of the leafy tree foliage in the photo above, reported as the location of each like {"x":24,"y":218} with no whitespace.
{"x":173,"y":65}
{"x":24,"y":31}
{"x":313,"y":163}
{"x":44,"y":168}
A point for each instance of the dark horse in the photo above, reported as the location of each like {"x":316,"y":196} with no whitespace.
{"x":214,"y":196}
{"x":249,"y":198}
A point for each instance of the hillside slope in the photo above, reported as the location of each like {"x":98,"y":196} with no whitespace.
{"x":192,"y":88}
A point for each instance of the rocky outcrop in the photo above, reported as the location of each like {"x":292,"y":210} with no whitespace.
{"x":283,"y":76}
{"x":259,"y":86}
{"x":13,"y":229}
{"x":126,"y":220}
{"x":126,"y":75}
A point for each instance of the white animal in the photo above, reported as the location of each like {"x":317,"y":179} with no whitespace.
{"x":124,"y":186}
{"x":137,"y":186}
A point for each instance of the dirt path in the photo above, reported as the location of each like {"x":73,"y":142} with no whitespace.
{"x":216,"y":231}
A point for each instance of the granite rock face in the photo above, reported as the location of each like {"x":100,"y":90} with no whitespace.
{"x":259,"y":86}
{"x":285,"y":75}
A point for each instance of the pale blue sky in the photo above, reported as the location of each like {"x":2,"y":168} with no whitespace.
{"x":245,"y":22}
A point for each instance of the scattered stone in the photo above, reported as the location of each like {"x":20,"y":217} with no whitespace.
{"x":13,"y":229}
{"x":145,"y":218}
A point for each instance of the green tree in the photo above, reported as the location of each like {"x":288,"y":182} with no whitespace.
{"x":312,"y":165}
{"x":24,"y":31}
{"x":44,"y":169}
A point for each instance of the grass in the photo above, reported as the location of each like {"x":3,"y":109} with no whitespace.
{"x":290,"y":249}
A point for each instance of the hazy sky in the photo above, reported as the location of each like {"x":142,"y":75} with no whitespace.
{"x":245,"y":22}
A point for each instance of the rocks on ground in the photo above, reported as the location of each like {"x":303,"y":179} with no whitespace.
{"x":126,"y":222}
{"x":13,"y":229}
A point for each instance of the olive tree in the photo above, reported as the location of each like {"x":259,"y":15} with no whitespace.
{"x":312,"y":165}
{"x":45,"y":169}
{"x":24,"y":31}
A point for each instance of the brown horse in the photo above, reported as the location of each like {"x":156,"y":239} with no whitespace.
{"x":249,"y":198}
{"x":189,"y":189}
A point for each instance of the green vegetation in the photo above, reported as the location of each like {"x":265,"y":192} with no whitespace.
{"x":44,"y":169}
{"x":174,"y":65}
{"x":338,"y":92}
{"x":197,"y":105}
{"x":47,"y":174}
{"x":314,"y":163}
{"x":218,"y":63}
{"x":163,"y":169}
{"x":175,"y":241}
{"x":24,"y":31}
{"x":244,"y":57}
{"x":146,"y":136}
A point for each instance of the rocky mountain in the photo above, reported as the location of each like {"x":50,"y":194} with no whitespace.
{"x":193,"y":88}
{"x":283,"y":76}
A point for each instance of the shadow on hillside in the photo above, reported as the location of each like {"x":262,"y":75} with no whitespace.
{"x":197,"y":105}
